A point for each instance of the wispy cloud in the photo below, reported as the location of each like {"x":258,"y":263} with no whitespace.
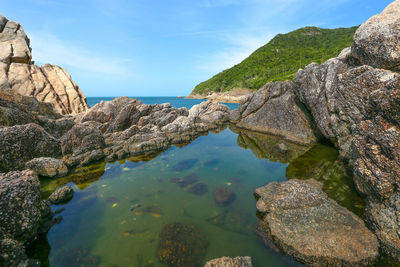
{"x":48,"y":48}
{"x":240,"y":47}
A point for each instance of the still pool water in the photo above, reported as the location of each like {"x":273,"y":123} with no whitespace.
{"x":119,"y":209}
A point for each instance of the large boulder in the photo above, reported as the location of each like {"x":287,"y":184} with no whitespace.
{"x":14,"y":44}
{"x":303,"y":222}
{"x":357,"y":108}
{"x":273,"y":110}
{"x":21,"y":211}
{"x":377,"y":41}
{"x":48,"y":83}
{"x":21,"y":143}
{"x":48,"y":167}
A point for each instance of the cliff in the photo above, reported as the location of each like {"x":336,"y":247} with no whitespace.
{"x":48,"y":83}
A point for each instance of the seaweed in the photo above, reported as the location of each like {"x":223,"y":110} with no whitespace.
{"x":182,"y":245}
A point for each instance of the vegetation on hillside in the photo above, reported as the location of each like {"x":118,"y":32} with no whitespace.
{"x":281,"y":58}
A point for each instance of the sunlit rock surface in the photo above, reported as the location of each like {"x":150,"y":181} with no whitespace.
{"x":304,"y":222}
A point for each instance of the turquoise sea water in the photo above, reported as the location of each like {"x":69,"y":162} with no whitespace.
{"x":119,"y":209}
{"x":175,"y":101}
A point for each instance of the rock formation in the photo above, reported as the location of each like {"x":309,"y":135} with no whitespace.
{"x":273,"y":110}
{"x":48,"y":83}
{"x":22,"y":212}
{"x":303,"y":222}
{"x":354,"y":101}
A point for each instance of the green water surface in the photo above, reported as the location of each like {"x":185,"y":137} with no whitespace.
{"x":120,"y":208}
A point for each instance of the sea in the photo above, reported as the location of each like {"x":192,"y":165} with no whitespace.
{"x":149,"y":100}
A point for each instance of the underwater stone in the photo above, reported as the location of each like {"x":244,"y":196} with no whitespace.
{"x":182,"y":245}
{"x":185,"y":181}
{"x":223,"y":196}
{"x":184,"y":165}
{"x":198,"y":189}
{"x":78,"y":257}
{"x":230,"y":262}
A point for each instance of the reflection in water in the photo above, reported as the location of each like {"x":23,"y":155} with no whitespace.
{"x":120,"y":209}
{"x":270,"y":147}
{"x":323,"y":164}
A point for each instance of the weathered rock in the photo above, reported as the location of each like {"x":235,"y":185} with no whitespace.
{"x":83,"y":137}
{"x":356,"y":107}
{"x":14,"y":44}
{"x":48,"y":167}
{"x":61,"y":195}
{"x":21,"y":212}
{"x":209,"y":112}
{"x":181,"y":245}
{"x":49,"y":83}
{"x":21,"y":143}
{"x":376,"y":42}
{"x":303,"y":222}
{"x":273,"y":110}
{"x":223,"y":196}
{"x":230,"y":262}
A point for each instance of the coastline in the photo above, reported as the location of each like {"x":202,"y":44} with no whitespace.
{"x":233,"y":96}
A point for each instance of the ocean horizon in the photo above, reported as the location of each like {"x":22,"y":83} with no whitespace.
{"x":175,"y":101}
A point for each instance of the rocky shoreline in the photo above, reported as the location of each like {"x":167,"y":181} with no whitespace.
{"x":233,"y":96}
{"x":351,"y":100}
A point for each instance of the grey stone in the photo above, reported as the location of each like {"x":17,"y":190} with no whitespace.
{"x":303,"y":222}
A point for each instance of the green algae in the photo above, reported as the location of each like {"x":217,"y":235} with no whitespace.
{"x":322,"y":163}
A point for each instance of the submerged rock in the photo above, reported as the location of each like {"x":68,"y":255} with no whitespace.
{"x":182,"y":245}
{"x":198,"y":189}
{"x":184,"y":165}
{"x":185,"y":181}
{"x":77,"y":257}
{"x":303,"y":222}
{"x":223,"y":196}
{"x":61,"y":195}
{"x":48,"y":167}
{"x":230,"y":262}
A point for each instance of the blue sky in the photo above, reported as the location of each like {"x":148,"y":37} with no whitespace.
{"x":165,"y":48}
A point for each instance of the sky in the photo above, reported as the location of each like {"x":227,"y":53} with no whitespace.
{"x":165,"y":48}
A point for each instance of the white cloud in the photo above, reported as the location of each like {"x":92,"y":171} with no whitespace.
{"x":47,"y":48}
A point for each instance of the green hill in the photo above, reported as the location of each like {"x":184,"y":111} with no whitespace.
{"x":281,"y":58}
